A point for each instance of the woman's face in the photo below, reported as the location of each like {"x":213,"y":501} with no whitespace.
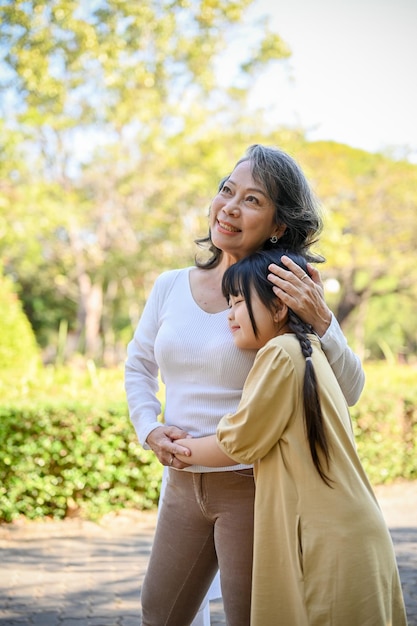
{"x":242,"y":215}
{"x":241,"y":325}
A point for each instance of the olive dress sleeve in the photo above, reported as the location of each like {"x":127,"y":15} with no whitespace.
{"x":271,"y":398}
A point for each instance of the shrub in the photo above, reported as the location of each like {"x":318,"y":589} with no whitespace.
{"x":19,"y":352}
{"x":67,"y":446}
{"x":72,"y":459}
{"x":385,"y":422}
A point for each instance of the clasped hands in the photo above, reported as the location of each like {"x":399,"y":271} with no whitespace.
{"x":162,"y":441}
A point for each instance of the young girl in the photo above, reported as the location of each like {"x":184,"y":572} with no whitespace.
{"x":323,"y":554}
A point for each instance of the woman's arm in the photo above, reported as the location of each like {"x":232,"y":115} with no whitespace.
{"x":204,"y":451}
{"x":306,"y":299}
{"x":346,"y":365}
{"x":141,"y":380}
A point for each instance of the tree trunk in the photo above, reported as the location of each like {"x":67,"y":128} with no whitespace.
{"x":90,"y":310}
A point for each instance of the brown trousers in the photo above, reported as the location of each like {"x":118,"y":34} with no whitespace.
{"x":205,"y":522}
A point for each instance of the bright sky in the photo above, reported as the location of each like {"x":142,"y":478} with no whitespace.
{"x":353,"y":70}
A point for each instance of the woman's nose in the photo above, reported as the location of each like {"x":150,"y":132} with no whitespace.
{"x":231,"y":208}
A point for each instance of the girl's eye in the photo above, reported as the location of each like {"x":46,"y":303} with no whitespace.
{"x":234,"y":300}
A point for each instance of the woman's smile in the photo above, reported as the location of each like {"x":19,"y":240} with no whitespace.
{"x":226,"y":226}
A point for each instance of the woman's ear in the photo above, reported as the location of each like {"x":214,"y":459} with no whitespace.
{"x":279,"y":231}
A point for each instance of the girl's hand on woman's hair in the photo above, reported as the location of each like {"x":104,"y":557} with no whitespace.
{"x":162,"y":441}
{"x":301,"y":292}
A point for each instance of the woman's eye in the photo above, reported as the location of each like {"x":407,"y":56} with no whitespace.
{"x":252,"y":199}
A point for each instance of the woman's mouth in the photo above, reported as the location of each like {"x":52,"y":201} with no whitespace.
{"x":227,"y":227}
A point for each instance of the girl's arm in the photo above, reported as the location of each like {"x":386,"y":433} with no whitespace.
{"x":204,"y":451}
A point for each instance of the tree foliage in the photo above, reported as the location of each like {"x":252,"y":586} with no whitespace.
{"x":119,"y":119}
{"x":370,"y":210}
{"x":117,"y":103}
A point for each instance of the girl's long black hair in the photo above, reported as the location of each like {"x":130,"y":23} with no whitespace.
{"x":251,"y":272}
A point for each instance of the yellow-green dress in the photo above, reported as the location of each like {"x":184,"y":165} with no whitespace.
{"x":322,"y":556}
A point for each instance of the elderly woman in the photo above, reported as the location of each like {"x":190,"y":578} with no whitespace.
{"x":205,"y":521}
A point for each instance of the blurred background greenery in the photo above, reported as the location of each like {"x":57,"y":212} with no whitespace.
{"x":117,"y":125}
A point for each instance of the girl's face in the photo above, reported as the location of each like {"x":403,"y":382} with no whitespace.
{"x":242,"y":215}
{"x":268,"y":323}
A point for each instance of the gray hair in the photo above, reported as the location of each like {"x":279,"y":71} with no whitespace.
{"x":296,"y":205}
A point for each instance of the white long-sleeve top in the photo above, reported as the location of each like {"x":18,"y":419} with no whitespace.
{"x":199,"y":364}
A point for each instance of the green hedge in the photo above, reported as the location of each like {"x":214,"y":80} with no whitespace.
{"x":67,"y":446}
{"x":65,"y":460}
{"x":385,"y":422}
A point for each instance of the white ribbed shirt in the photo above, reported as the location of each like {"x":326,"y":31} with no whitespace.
{"x":199,"y":364}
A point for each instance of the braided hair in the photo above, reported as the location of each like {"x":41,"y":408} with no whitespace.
{"x":251,"y":272}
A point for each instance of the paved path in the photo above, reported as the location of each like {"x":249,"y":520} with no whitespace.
{"x":77,"y":573}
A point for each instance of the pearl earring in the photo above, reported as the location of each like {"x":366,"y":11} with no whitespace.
{"x":273,"y":239}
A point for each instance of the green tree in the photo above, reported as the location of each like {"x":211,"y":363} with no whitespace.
{"x":370,"y":210}
{"x":119,"y":104}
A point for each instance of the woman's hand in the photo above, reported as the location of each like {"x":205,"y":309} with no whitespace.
{"x":301,"y":292}
{"x":162,"y":441}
